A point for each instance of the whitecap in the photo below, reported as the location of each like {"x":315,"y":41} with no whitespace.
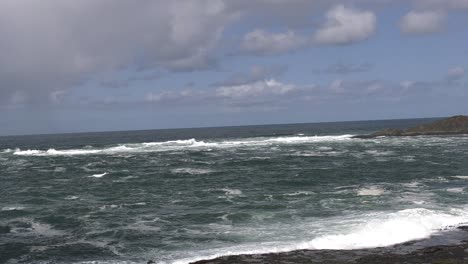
{"x":307,"y":154}
{"x":378,"y":153}
{"x":232,"y":192}
{"x":370,"y":191}
{"x":110,"y":206}
{"x":59,"y":169}
{"x":381,"y":231}
{"x":12,"y":208}
{"x":8,"y":150}
{"x":34,"y":228}
{"x":344,"y":233}
{"x":181,"y":145}
{"x":299,"y":193}
{"x":456,"y":190}
{"x":325,"y":148}
{"x":191,"y":171}
{"x":98,"y":175}
{"x":461,"y":177}
{"x":352,"y":232}
{"x":413,"y":184}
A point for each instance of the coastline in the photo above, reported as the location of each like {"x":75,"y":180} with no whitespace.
{"x":447,"y":247}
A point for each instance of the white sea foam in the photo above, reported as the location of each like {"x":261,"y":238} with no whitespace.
{"x":378,"y":153}
{"x":364,"y":231}
{"x":307,"y":154}
{"x":461,"y":177}
{"x":456,"y":190}
{"x":413,"y":184}
{"x":98,"y":175}
{"x":8,"y":150}
{"x":325,"y":148}
{"x":110,"y":206}
{"x":12,"y":208}
{"x":399,"y":227}
{"x":181,"y":145}
{"x":33,"y":229}
{"x":59,"y":169}
{"x":370,"y":191}
{"x":191,"y":171}
{"x":299,"y":193}
{"x":232,"y":192}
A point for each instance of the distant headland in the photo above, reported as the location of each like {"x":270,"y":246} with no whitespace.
{"x":448,"y":126}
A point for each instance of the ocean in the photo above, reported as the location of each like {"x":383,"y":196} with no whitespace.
{"x":181,"y":195}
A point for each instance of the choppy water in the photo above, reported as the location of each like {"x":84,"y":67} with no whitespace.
{"x":175,"y":196}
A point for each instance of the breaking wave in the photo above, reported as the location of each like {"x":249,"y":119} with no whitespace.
{"x":179,"y":145}
{"x":381,"y":230}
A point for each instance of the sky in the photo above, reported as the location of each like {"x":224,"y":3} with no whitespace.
{"x":76,"y":66}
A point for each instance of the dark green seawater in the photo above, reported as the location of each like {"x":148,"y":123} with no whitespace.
{"x":180,"y":195}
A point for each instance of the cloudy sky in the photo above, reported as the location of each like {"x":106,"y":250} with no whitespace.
{"x":91,"y":65}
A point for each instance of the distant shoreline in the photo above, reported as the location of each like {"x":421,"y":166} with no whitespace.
{"x":455,"y":125}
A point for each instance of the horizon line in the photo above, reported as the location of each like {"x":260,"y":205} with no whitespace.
{"x":204,"y":127}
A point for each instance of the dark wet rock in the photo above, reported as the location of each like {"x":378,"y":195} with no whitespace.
{"x":452,"y":124}
{"x":389,"y":132}
{"x":449,"y":126}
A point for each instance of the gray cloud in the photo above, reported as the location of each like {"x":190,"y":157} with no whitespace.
{"x":260,"y":42}
{"x":422,"y":22}
{"x":345,"y":26}
{"x":52,"y":45}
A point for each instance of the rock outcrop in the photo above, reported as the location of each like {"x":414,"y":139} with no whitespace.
{"x":449,"y":126}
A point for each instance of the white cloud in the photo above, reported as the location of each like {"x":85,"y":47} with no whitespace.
{"x":337,"y":86}
{"x":56,"y":96}
{"x":422,"y":22}
{"x":264,"y":93}
{"x":407,"y":84}
{"x":260,"y":88}
{"x":171,"y":96}
{"x":256,"y":73}
{"x":456,"y":73}
{"x":261,"y":42}
{"x":346,"y":25}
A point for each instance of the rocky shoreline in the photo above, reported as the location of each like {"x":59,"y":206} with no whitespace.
{"x":449,"y":248}
{"x":454,"y":125}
